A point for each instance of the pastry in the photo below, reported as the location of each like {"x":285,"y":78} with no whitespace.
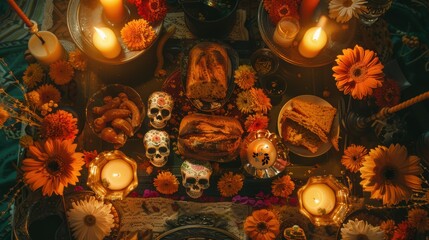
{"x":323,"y":116}
{"x":207,"y":73}
{"x":298,"y":135}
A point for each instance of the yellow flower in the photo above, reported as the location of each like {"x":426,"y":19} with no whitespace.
{"x":343,"y":10}
{"x":52,"y":165}
{"x":353,"y":157}
{"x":262,"y":225}
{"x":244,"y":102}
{"x":245,"y":77}
{"x":4,"y":115}
{"x":166,"y":183}
{"x":261,"y":103}
{"x":26,"y":141}
{"x":418,"y":218}
{"x":358,"y":72}
{"x":48,"y":92}
{"x":34,"y":98}
{"x":61,"y":72}
{"x":282,"y":187}
{"x":137,"y":34}
{"x":390,"y":174}
{"x":33,"y":75}
{"x":78,"y":60}
{"x":230,"y":184}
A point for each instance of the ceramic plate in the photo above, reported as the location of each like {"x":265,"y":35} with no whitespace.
{"x":210,"y":106}
{"x":299,"y":150}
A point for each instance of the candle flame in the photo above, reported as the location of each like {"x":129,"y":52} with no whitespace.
{"x":316,"y":34}
{"x":317,"y":201}
{"x":116,"y":174}
{"x":100,"y":32}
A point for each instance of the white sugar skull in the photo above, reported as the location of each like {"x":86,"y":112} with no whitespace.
{"x":159,"y":109}
{"x":196,"y":177}
{"x":157,"y":145}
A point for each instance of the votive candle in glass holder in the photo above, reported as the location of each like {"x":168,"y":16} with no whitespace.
{"x":117,"y":174}
{"x":318,"y":199}
{"x":286,"y":30}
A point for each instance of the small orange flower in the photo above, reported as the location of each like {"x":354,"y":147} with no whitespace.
{"x":33,"y":75}
{"x":48,"y":92}
{"x":166,"y":183}
{"x":256,"y":122}
{"x":283,"y":187}
{"x":245,"y":77}
{"x":4,"y":115}
{"x":230,"y":184}
{"x":60,"y":124}
{"x":137,"y":34}
{"x":244,"y":102}
{"x":418,"y":218}
{"x":78,"y":60}
{"x":358,"y":72}
{"x":261,"y":103}
{"x":89,"y":156}
{"x":388,"y":228}
{"x":61,"y":72}
{"x":263,"y":224}
{"x":353,"y":157}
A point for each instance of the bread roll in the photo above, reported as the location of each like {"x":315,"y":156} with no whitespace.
{"x":209,"y":137}
{"x":207,"y":76}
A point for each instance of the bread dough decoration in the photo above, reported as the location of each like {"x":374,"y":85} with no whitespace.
{"x":157,"y":145}
{"x":294,"y":233}
{"x":159,"y":110}
{"x":195,"y":177}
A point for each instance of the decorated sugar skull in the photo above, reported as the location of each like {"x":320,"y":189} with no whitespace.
{"x":157,"y":145}
{"x":195,"y":177}
{"x":159,"y":109}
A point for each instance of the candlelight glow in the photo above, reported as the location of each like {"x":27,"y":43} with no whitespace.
{"x":316,"y":34}
{"x":100,"y":32}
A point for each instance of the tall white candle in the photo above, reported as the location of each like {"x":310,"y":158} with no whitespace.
{"x":104,"y":39}
{"x":117,"y":173}
{"x":261,"y":153}
{"x":113,"y":9}
{"x":313,"y":42}
{"x":49,"y":52}
{"x":286,"y":30}
{"x":318,"y":199}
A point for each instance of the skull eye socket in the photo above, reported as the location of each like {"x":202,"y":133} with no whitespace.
{"x":154,"y":110}
{"x":151,"y":150}
{"x":163,"y":149}
{"x":203,"y":181}
{"x":165,"y":112}
{"x":191,"y":180}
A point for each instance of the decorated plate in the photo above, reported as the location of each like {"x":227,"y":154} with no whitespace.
{"x":212,"y":105}
{"x":300,"y":150}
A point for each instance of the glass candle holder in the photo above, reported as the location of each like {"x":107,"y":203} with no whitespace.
{"x":286,"y":30}
{"x":324,"y":200}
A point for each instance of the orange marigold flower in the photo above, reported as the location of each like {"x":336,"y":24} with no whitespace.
{"x":137,"y":34}
{"x":34,"y":98}
{"x":388,"y":228}
{"x":78,"y":60}
{"x":88,"y":156}
{"x":256,"y":122}
{"x":283,"y":187}
{"x":61,"y":72}
{"x":166,"y":183}
{"x":353,"y":157}
{"x":418,"y":218}
{"x":60,"y":124}
{"x":390,"y":174}
{"x":358,"y":72}
{"x":4,"y":115}
{"x":261,"y":103}
{"x":48,"y":92}
{"x":282,"y":8}
{"x":262,"y":224}
{"x":52,"y":165}
{"x":244,"y":102}
{"x":245,"y":77}
{"x":230,"y":184}
{"x":33,"y":75}
{"x":152,"y":10}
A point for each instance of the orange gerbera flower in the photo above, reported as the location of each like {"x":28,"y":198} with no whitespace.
{"x":166,"y":183}
{"x":256,"y":122}
{"x":353,"y":157}
{"x":358,"y":72}
{"x":48,"y":92}
{"x":283,"y":187}
{"x":60,"y":124}
{"x":137,"y":34}
{"x":52,"y":165}
{"x":61,"y":72}
{"x":262,"y":225}
{"x":245,"y":77}
{"x":230,"y":184}
{"x":261,"y":103}
{"x":390,"y":174}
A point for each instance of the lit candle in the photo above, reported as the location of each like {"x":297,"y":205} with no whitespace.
{"x":105,"y":41}
{"x":261,"y":153}
{"x":318,"y":199}
{"x":49,"y":52}
{"x":286,"y":30}
{"x":117,"y":174}
{"x":313,"y":41}
{"x":113,"y":9}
